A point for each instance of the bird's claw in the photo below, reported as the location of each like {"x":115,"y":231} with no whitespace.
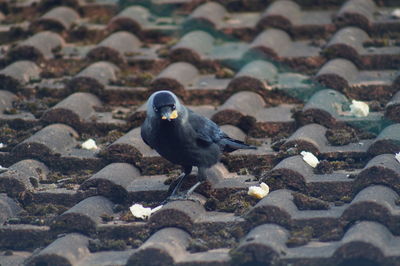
{"x":180,"y":196}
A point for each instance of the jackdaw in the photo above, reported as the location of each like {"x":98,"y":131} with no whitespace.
{"x":184,"y":137}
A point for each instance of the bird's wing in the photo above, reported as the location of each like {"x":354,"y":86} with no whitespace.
{"x":206,"y":130}
{"x":145,"y":133}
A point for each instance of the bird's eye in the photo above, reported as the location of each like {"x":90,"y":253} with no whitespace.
{"x":173,"y":107}
{"x":155,"y":109}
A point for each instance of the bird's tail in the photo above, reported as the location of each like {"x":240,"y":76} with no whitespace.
{"x":230,"y":145}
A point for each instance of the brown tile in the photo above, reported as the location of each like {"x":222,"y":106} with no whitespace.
{"x":346,"y":210}
{"x":112,"y":181}
{"x":65,"y":250}
{"x":337,"y":74}
{"x":255,"y":76}
{"x":289,"y":16}
{"x":85,"y":216}
{"x":115,"y":48}
{"x":280,"y":203}
{"x":48,"y":4}
{"x":16,"y":258}
{"x":130,"y":148}
{"x":132,"y":19}
{"x":52,"y":140}
{"x":103,"y":258}
{"x":387,"y":141}
{"x":6,"y":100}
{"x":165,"y":247}
{"x":94,"y":78}
{"x":383,"y":169}
{"x":76,"y":110}
{"x":9,"y":208}
{"x":176,"y":77}
{"x":273,"y":121}
{"x":40,"y":46}
{"x":23,"y":237}
{"x":238,"y":106}
{"x":330,"y":108}
{"x":218,"y":257}
{"x":374,"y":203}
{"x":180,"y":214}
{"x":392,"y":108}
{"x":23,"y":176}
{"x":372,"y":18}
{"x":349,"y":43}
{"x":207,"y":16}
{"x":193,"y":47}
{"x":17,"y":75}
{"x":357,"y":243}
{"x":307,"y":138}
{"x":267,"y":239}
{"x":276,"y":44}
{"x":356,"y":13}
{"x":148,"y":188}
{"x":57,"y":19}
{"x":291,"y":172}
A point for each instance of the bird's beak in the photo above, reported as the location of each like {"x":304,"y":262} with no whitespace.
{"x":168,"y":114}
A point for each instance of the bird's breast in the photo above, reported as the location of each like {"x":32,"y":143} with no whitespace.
{"x":178,"y":144}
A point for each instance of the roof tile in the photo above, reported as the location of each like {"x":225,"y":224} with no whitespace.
{"x":130,"y":148}
{"x":8,"y":207}
{"x":76,"y":110}
{"x":388,"y":141}
{"x":238,"y":106}
{"x":176,"y":77}
{"x":375,"y":203}
{"x":205,"y":17}
{"x":85,"y":216}
{"x":57,"y":19}
{"x":17,"y":75}
{"x":112,"y":181}
{"x":93,"y":78}
{"x":383,"y":169}
{"x":52,"y":140}
{"x":40,"y":46}
{"x":180,"y":214}
{"x":23,"y":176}
{"x":276,"y":44}
{"x":267,"y":240}
{"x":165,"y":247}
{"x":115,"y":47}
{"x":132,"y":19}
{"x":392,"y":108}
{"x":203,"y":51}
{"x":350,"y":43}
{"x":6,"y":100}
{"x":65,"y":250}
{"x":192,"y":47}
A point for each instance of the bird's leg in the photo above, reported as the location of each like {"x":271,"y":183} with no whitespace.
{"x":186,"y":171}
{"x":179,"y":184}
{"x":201,"y":177}
{"x":190,"y":191}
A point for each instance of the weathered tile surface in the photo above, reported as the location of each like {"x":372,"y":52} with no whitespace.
{"x":280,"y":75}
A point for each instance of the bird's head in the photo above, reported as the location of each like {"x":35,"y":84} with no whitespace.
{"x":165,"y":105}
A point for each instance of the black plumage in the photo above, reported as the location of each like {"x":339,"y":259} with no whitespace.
{"x":184,"y":137}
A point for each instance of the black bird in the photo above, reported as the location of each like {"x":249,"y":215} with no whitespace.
{"x":184,"y":137}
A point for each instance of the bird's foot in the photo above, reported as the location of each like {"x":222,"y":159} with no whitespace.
{"x":3,"y":169}
{"x":177,"y":196}
{"x":182,"y":195}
